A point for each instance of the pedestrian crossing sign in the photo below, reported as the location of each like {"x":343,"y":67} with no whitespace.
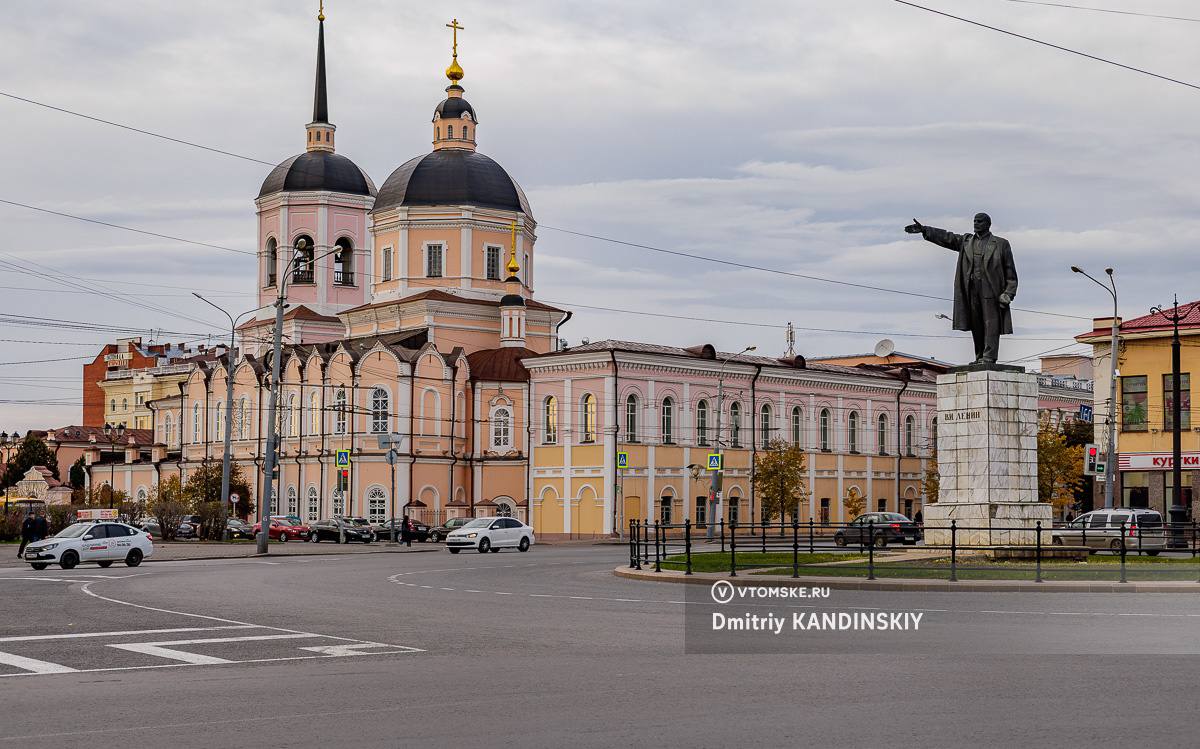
{"x":714,"y":461}
{"x":343,"y":459}
{"x":622,"y":460}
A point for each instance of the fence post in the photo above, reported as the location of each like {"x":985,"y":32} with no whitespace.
{"x":764,"y":536}
{"x":953,"y":551}
{"x":1038,"y":575}
{"x":871,"y":551}
{"x":657,"y":548}
{"x":733,"y":548}
{"x":1085,"y":525}
{"x":633,"y":544}
{"x":687,"y":544}
{"x":795,"y":546}
{"x":722,"y":526}
{"x":1194,"y":541}
{"x":811,"y":525}
{"x":1123,"y":551}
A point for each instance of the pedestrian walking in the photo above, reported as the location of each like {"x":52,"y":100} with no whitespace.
{"x":28,"y":529}
{"x":41,"y":527}
{"x":406,"y":531}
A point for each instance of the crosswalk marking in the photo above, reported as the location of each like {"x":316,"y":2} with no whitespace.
{"x":157,"y":649}
{"x":34,"y":666}
{"x":124,"y":633}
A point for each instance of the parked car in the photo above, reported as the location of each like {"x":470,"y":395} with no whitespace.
{"x":239,"y":528}
{"x":1101,"y":529}
{"x":282,"y":529}
{"x":151,"y":526}
{"x":879,"y":529}
{"x":491,"y":534}
{"x":441,"y":532}
{"x":419,"y":531}
{"x":102,"y":542}
{"x":335,"y":529}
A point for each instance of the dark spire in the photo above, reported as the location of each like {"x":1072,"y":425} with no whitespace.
{"x":320,"y":97}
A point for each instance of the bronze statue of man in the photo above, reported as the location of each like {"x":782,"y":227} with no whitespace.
{"x":985,"y":283}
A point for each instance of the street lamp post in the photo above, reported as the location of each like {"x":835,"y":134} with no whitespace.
{"x":1178,"y":511}
{"x":715,"y":487}
{"x":113,"y":434}
{"x":226,"y":460}
{"x":270,"y":460}
{"x":1110,"y":464}
{"x":9,"y":447}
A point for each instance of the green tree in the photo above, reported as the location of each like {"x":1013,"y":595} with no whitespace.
{"x":168,"y":505}
{"x":203,"y":493}
{"x":33,"y":452}
{"x":1078,"y":432}
{"x":1060,"y":468}
{"x":77,"y":476}
{"x":931,"y":481}
{"x":854,"y":503}
{"x":779,"y":479}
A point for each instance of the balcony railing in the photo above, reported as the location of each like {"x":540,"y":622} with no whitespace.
{"x":343,"y":277}
{"x":302,"y":276}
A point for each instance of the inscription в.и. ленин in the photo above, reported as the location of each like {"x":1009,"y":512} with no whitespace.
{"x":971,"y":415}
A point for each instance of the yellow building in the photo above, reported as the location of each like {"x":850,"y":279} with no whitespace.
{"x":1144,"y":392}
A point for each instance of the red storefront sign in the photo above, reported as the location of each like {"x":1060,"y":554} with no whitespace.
{"x":1156,"y":461}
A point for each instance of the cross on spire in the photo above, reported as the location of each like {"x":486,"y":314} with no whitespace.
{"x":455,"y":71}
{"x":455,"y":29}
{"x":513,"y":267}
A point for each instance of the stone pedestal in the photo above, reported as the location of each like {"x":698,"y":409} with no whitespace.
{"x":987,"y":460}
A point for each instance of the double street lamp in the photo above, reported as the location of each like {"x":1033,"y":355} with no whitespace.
{"x":8,"y":443}
{"x":1110,"y":465}
{"x":232,"y":362}
{"x":113,"y":434}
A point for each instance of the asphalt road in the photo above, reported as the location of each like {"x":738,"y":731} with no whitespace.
{"x":549,"y":649}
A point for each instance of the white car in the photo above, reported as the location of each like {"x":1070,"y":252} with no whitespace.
{"x":102,"y":542}
{"x":491,"y":534}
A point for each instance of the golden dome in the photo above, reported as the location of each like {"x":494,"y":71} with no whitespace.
{"x":455,"y":71}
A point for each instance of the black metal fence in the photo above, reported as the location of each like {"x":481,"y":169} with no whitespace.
{"x":868,"y":550}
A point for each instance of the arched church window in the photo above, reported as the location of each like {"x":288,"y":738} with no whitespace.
{"x":272,"y":260}
{"x":302,"y":265}
{"x":343,"y":259}
{"x":449,"y":131}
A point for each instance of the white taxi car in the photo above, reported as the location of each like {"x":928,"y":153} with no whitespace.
{"x":491,"y":534}
{"x":102,"y":542}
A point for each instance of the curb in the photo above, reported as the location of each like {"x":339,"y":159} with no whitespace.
{"x":292,"y":554}
{"x":911,"y":585}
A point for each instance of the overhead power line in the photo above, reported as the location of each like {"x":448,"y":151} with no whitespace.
{"x":1106,"y":10}
{"x":677,"y":253}
{"x":1059,"y":47}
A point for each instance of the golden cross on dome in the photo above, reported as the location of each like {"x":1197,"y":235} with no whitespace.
{"x":513,"y":266}
{"x":456,"y":28}
{"x":321,"y":12}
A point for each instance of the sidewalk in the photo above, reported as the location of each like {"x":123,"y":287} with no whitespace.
{"x":176,"y":551}
{"x":746,"y":579}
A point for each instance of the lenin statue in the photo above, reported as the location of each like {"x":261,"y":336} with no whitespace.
{"x":985,"y":283}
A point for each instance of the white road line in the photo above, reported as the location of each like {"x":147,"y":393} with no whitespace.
{"x":34,"y":666}
{"x":123,"y":633}
{"x":157,"y":649}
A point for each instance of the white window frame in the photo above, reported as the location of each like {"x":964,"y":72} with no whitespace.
{"x":380,"y":407}
{"x":425,"y":249}
{"x":314,"y":504}
{"x":487,"y":249}
{"x":550,"y":420}
{"x":386,"y":264}
{"x":501,"y":427}
{"x":339,"y":411}
{"x":376,"y":504}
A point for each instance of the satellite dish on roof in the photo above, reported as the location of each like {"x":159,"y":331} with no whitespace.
{"x":885,"y":348}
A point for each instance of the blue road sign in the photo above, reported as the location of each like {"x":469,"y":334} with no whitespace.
{"x":1085,"y":412}
{"x":343,"y":459}
{"x":622,"y":460}
{"x":714,"y":461}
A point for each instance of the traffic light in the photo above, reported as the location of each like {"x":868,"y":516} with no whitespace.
{"x":343,"y":480}
{"x":1091,"y":456}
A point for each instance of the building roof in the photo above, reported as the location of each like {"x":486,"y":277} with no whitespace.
{"x":893,"y":355}
{"x":1154,"y":322}
{"x":708,"y":352}
{"x":453,"y":108}
{"x":500,"y":364}
{"x":47,"y":475}
{"x":445,"y":296}
{"x":75,"y":433}
{"x":452,"y":177}
{"x":318,"y":170}
{"x":299,"y":312}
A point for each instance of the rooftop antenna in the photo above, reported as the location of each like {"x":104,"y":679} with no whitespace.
{"x":791,"y":341}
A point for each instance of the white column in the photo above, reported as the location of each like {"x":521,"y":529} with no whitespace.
{"x":466,"y":251}
{"x":566,"y":414}
{"x":610,"y":466}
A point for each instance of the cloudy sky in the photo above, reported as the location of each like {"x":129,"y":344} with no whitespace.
{"x":799,"y":136}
